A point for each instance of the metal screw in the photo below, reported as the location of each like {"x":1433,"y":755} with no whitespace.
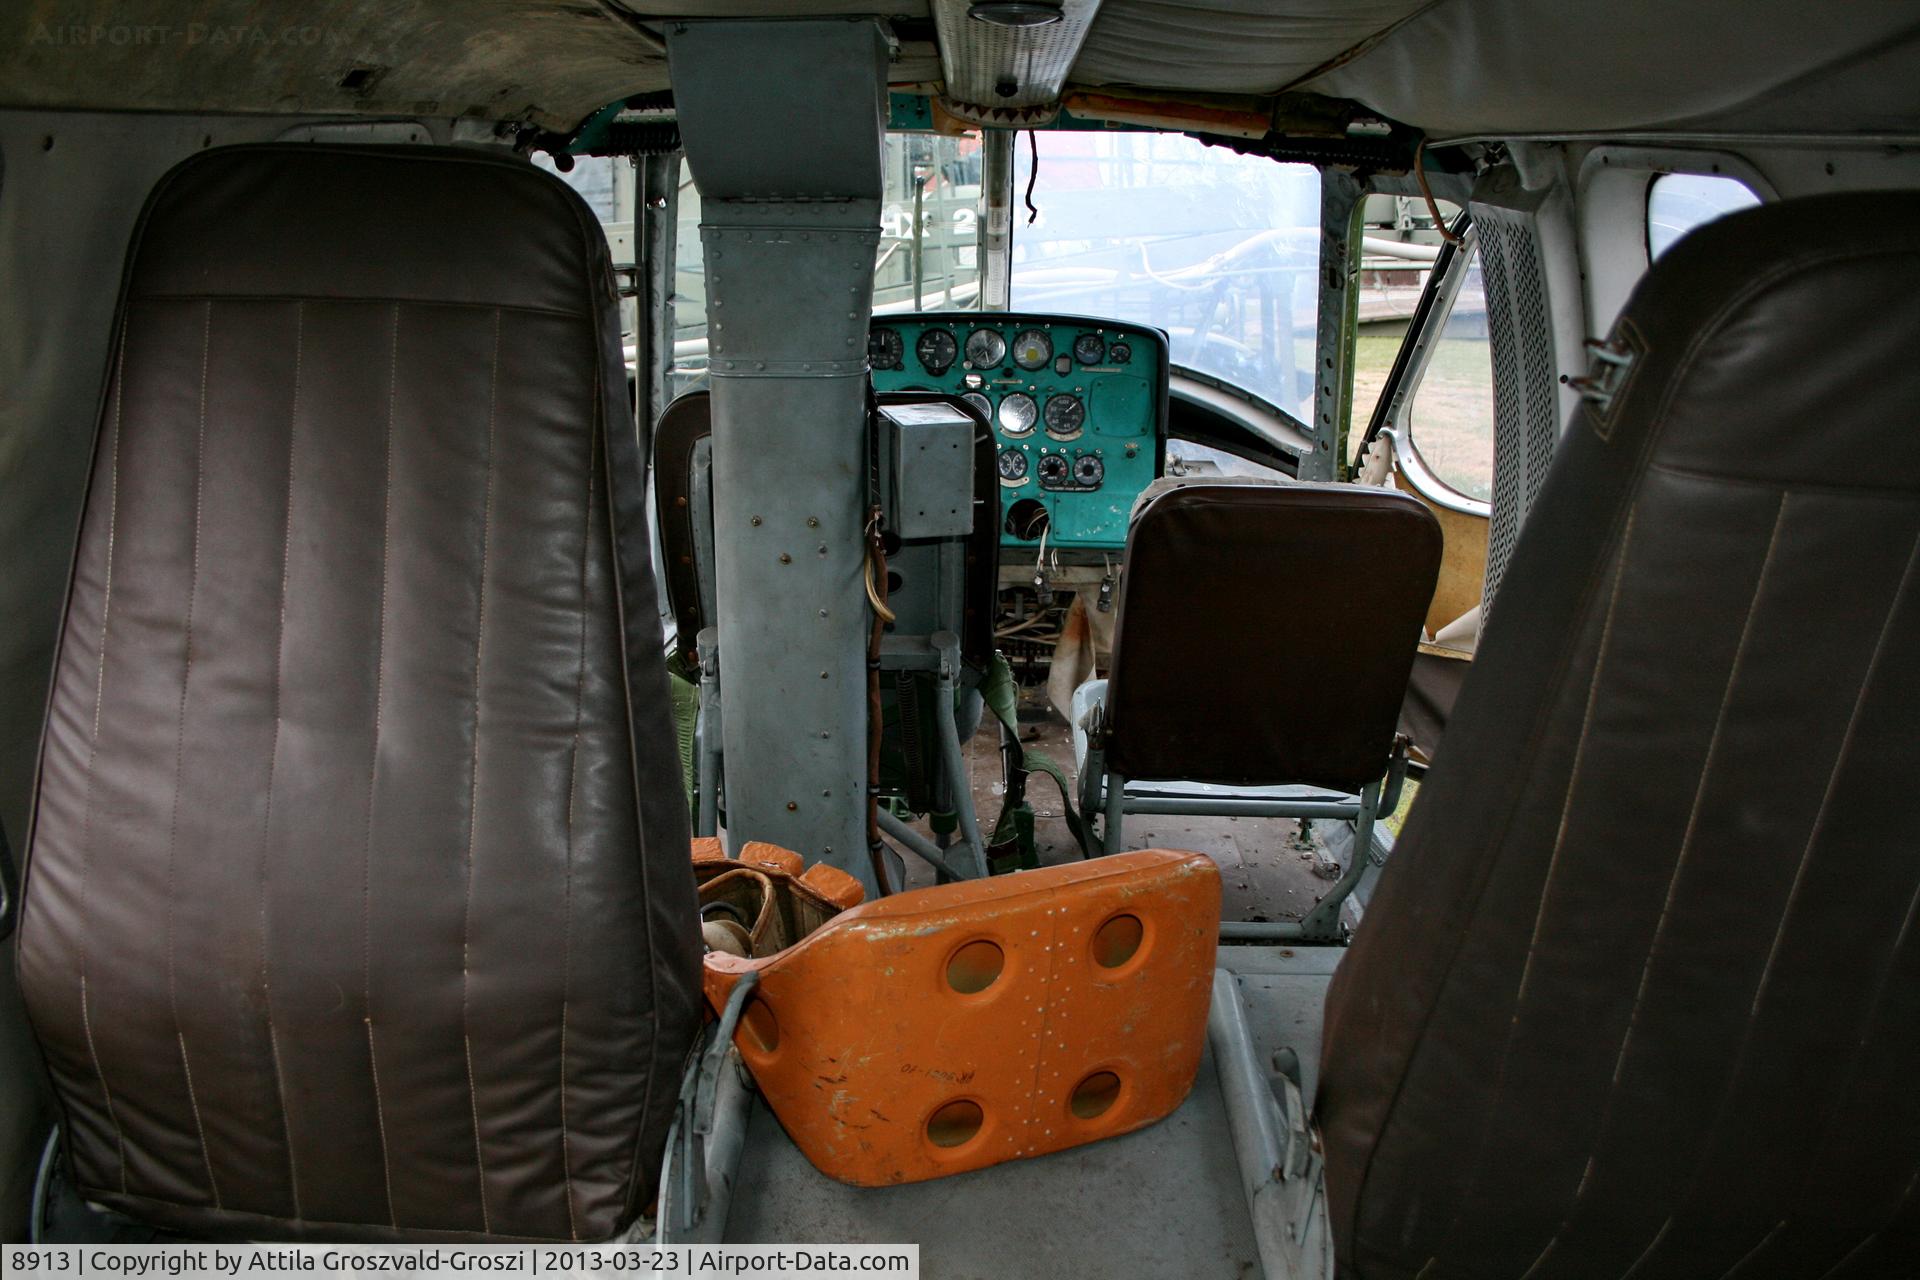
{"x":754,"y":520}
{"x":791,"y":806}
{"x":785,"y":558}
{"x":813,"y":522}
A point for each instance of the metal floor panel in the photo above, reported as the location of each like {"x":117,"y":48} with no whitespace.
{"x":1165,"y":1201}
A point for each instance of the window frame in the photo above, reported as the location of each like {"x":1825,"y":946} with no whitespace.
{"x":1392,"y":418}
{"x":1646,"y":205}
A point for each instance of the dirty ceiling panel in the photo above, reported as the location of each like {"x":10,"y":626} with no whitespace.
{"x":1227,"y":46}
{"x":496,"y":59}
{"x":1543,"y":65}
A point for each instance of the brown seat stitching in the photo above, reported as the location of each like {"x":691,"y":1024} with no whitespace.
{"x":1673,"y":881}
{"x":573,"y":782}
{"x":273,"y":763}
{"x":93,"y":746}
{"x":1573,"y":776}
{"x":180,"y":747}
{"x":1806,"y":856}
{"x":473,"y":781}
{"x":373,"y":769}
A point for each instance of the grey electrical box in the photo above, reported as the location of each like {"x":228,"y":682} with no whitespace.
{"x":929,"y":453}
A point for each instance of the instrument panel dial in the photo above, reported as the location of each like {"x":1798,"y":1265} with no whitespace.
{"x":986,"y":349}
{"x":980,"y":402}
{"x":1018,"y":413}
{"x":1088,"y":471}
{"x":1032,"y":348}
{"x":937,"y":350}
{"x":886,"y":349}
{"x":1012,"y":465}
{"x":1089,"y":348}
{"x":1065,"y":416}
{"x":1054,"y":468}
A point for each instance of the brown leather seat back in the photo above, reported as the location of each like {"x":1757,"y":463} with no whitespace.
{"x":1639,"y":993}
{"x":358,"y":901}
{"x":1265,"y":633}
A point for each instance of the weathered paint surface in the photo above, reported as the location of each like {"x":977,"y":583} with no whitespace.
{"x":884,"y":1069}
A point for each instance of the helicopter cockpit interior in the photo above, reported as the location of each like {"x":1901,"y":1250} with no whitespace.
{"x":1058,"y":636}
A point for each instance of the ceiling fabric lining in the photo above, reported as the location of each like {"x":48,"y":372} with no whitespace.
{"x":1541,"y":65}
{"x":1226,"y":46}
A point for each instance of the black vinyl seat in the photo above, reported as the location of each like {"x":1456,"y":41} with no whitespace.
{"x":357,"y":899}
{"x":1639,"y":993}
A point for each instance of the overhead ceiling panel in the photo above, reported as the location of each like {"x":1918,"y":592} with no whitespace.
{"x":1494,"y":66}
{"x":495,"y":59}
{"x":1227,"y":46}
{"x":989,"y":65}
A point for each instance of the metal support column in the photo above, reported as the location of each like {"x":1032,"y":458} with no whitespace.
{"x":1341,"y":203}
{"x":790,"y":220}
{"x":996,"y":228}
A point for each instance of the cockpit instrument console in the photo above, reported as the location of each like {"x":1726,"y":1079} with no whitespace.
{"x":1078,"y":408}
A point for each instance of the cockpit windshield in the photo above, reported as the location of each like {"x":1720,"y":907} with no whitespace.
{"x":1219,"y":249}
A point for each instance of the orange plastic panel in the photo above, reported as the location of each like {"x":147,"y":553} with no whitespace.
{"x":830,"y":884}
{"x":953,"y":1028}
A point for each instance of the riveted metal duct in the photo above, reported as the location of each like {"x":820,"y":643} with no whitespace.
{"x":992,"y":66}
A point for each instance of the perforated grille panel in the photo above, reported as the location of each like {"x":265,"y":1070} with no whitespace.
{"x":1526,"y":413}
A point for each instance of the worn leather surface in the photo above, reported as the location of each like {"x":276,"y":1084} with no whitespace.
{"x":1298,"y":679}
{"x":358,"y":901}
{"x":1639,"y":993}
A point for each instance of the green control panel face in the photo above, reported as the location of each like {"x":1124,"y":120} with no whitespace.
{"x":1078,"y":408}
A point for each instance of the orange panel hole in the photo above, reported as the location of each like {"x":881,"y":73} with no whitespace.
{"x":975,"y":967}
{"x":1095,"y":1095}
{"x":955,"y":1124}
{"x":761,"y":1025}
{"x":1116,"y":941}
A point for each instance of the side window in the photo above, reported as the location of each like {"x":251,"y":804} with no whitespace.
{"x":1450,"y":418}
{"x":1679,"y":202}
{"x":1399,"y":243}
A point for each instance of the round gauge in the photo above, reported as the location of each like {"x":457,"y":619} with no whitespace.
{"x":1032,"y":348}
{"x":1088,"y":471}
{"x":1065,"y":415}
{"x":1017,"y":413}
{"x":1012,"y":465}
{"x":980,"y":402}
{"x":986,"y":349}
{"x":1053,"y":468}
{"x":885,"y":348}
{"x":1089,"y":348}
{"x":937,"y":351}
{"x":1119,"y":353}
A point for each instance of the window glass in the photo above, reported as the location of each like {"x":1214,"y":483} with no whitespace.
{"x":1399,"y":242}
{"x":939,"y":269}
{"x":1220,"y":250}
{"x":1679,"y":202}
{"x":1450,"y":419}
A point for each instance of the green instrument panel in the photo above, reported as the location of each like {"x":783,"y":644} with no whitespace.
{"x":1078,"y":407}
